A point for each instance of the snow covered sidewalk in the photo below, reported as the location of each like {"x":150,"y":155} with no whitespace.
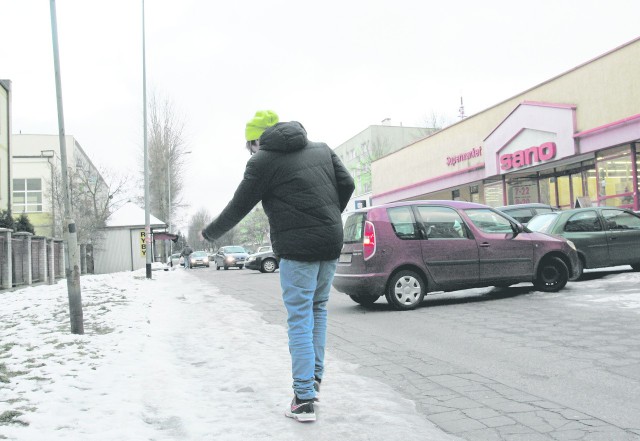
{"x":171,"y":359}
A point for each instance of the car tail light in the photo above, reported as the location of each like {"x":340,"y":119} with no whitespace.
{"x":369,"y":240}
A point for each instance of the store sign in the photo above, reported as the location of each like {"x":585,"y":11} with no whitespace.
{"x":524,"y":194}
{"x":473,"y":153}
{"x":527,"y":157}
{"x":143,"y":244}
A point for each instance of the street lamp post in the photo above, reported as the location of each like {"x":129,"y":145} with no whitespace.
{"x":72,"y":263}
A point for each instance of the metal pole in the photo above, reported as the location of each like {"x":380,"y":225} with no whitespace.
{"x":147,"y":222}
{"x":169,"y":202}
{"x":72,"y":265}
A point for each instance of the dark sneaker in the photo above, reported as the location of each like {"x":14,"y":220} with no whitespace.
{"x":301,"y":410}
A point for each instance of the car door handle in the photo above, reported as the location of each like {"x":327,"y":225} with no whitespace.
{"x":485,"y":245}
{"x":613,"y":238}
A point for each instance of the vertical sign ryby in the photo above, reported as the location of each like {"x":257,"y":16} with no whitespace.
{"x":143,"y":244}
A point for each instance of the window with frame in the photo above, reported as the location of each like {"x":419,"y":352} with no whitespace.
{"x":489,"y":221}
{"x":354,"y":227}
{"x":442,"y":223}
{"x":583,"y":221}
{"x":27,"y":195}
{"x":403,"y":222}
{"x":620,"y":220}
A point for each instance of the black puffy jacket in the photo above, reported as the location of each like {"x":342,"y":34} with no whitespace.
{"x":303,"y":186}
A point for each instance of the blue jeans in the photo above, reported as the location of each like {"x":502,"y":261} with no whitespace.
{"x":305,"y":291}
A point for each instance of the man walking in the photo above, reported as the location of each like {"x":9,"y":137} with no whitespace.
{"x":304,"y":187}
{"x":186,"y":253}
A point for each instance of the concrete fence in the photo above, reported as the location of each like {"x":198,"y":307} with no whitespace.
{"x":26,"y":259}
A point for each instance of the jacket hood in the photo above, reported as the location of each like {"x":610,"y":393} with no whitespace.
{"x":284,"y":137}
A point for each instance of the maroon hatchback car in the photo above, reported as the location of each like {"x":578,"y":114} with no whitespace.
{"x":403,"y":250}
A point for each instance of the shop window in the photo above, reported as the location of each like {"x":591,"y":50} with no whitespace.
{"x":637,"y":201}
{"x":27,"y":195}
{"x":564,"y":191}
{"x":576,"y":185}
{"x":548,"y":191}
{"x":474,"y":192}
{"x":522,"y":190}
{"x":615,"y":177}
{"x":493,"y":194}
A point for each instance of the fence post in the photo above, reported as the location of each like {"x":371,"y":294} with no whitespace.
{"x":6,"y":264}
{"x":83,"y":258}
{"x":51,"y":262}
{"x":26,"y":256}
{"x":60,"y":262}
{"x":41,"y":258}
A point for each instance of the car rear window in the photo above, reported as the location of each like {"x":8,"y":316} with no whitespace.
{"x":353,"y":228}
{"x":542,"y":222}
{"x":522,"y":215}
{"x":234,"y":250}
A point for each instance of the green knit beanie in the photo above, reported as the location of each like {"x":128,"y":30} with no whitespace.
{"x":259,"y":123}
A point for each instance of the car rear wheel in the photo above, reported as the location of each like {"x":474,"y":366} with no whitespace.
{"x":364,"y":300}
{"x":217,"y":267}
{"x":268,"y":265}
{"x":226,"y":267}
{"x":406,"y":290}
{"x":553,"y":275}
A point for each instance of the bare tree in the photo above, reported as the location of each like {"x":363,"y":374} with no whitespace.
{"x":436,"y":121}
{"x":197,"y":222}
{"x":369,"y":151}
{"x":231,"y":237}
{"x":254,"y":228}
{"x":94,"y":194}
{"x":166,"y":147}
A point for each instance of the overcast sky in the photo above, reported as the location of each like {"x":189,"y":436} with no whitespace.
{"x":337,"y":66}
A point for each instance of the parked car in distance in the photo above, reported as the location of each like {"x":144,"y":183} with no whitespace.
{"x":199,"y":258}
{"x":405,"y":249}
{"x":524,"y":212}
{"x":604,"y":236}
{"x":230,"y":256}
{"x":263,"y":261}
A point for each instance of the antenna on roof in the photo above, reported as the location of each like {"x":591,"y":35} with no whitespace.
{"x":461,"y":115}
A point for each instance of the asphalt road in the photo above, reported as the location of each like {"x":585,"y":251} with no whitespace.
{"x":491,"y":364}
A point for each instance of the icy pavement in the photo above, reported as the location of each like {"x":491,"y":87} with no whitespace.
{"x":171,"y":359}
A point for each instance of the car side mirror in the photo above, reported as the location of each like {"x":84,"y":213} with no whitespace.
{"x":517,"y":228}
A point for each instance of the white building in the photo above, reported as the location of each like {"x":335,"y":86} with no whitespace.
{"x":375,"y":141}
{"x":124,"y":247}
{"x":35,"y":162}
